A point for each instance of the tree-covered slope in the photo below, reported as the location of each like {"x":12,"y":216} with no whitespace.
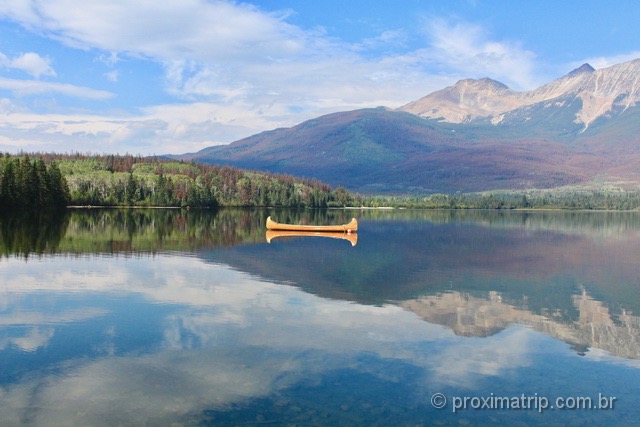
{"x":111,"y":180}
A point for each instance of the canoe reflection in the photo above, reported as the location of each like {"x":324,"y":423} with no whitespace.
{"x":351,"y":237}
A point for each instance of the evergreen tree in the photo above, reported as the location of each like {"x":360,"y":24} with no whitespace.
{"x":8,"y":186}
{"x":59,"y":189}
{"x":130,"y":190}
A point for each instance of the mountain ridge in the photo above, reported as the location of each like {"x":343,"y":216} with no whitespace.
{"x":599,"y":90}
{"x":580,"y":129}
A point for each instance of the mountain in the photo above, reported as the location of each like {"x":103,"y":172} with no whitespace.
{"x":599,"y":92}
{"x":583,"y":128}
{"x":465,"y":101}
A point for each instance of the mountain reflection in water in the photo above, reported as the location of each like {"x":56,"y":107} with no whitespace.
{"x":572,"y":275}
{"x":196,"y":314}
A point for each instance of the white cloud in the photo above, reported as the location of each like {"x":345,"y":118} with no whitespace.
{"x":33,"y":64}
{"x":225,"y":51}
{"x":196,"y":29}
{"x":467,"y":48}
{"x":37,"y":87}
{"x":160,"y":129}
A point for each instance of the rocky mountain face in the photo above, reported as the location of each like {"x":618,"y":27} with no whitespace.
{"x":465,"y":101}
{"x":600,"y":92}
{"x":583,"y":128}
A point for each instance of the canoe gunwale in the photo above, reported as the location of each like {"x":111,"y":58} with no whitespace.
{"x":346,"y":228}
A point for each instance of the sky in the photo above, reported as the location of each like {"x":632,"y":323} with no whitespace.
{"x":175,"y":76}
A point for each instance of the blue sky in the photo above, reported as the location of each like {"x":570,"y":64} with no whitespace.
{"x":175,"y":76}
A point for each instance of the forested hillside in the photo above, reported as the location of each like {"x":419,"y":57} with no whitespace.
{"x":111,"y":180}
{"x":49,"y":182}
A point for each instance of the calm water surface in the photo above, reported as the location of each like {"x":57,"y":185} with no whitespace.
{"x":430,"y":318}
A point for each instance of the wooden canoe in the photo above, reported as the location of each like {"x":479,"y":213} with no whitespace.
{"x":345,"y":228}
{"x":350,"y":237}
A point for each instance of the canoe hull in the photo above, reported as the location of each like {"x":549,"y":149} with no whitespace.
{"x":350,"y":227}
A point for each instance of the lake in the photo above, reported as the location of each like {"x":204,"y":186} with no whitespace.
{"x":169,"y":317}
